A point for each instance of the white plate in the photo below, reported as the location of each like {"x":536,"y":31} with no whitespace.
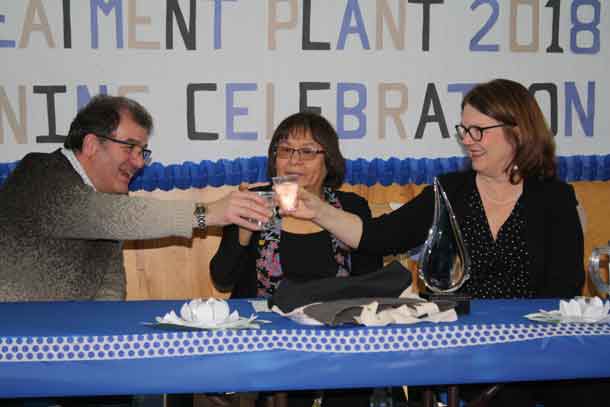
{"x":239,"y":323}
{"x":556,"y":318}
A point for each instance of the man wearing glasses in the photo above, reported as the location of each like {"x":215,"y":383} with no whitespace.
{"x":64,"y":215}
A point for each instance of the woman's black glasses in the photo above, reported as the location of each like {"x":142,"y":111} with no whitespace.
{"x":476,"y":132}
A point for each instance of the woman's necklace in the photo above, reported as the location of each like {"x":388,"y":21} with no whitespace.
{"x":500,"y":202}
{"x":507,"y":201}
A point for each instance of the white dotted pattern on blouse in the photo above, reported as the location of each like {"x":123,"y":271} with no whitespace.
{"x":499,"y":268}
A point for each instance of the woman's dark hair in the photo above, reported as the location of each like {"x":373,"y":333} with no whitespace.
{"x":102,"y":116}
{"x":510,"y":102}
{"x":322,"y":132}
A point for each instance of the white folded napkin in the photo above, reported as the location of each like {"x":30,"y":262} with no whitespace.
{"x":578,"y":310}
{"x":207,"y":314}
{"x":370,"y":316}
{"x":298,"y":315}
{"x":424,"y":312}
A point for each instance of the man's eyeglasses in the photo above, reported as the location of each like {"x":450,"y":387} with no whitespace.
{"x":131,"y":147}
{"x":305,"y":153}
{"x":476,"y":132}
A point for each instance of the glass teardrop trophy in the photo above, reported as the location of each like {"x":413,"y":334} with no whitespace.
{"x":444,"y":262}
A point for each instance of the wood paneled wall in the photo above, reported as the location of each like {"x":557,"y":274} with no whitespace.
{"x":175,"y":268}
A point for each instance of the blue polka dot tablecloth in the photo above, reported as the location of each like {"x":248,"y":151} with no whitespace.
{"x":193,"y":343}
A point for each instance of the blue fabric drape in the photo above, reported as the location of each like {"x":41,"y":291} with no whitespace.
{"x":359,"y":171}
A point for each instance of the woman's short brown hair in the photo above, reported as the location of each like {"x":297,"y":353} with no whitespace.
{"x":322,"y":132}
{"x":510,"y":102}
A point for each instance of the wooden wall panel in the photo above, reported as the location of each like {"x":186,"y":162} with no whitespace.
{"x":175,"y":268}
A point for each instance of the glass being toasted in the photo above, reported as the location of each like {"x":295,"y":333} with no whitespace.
{"x":286,"y":188}
{"x":269,"y":197}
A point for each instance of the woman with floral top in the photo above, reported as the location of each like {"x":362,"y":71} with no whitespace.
{"x":253,"y":264}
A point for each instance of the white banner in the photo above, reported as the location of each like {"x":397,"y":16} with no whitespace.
{"x":219,"y":75}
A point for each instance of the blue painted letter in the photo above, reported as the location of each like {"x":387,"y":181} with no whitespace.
{"x":353,"y":8}
{"x":6,"y":43}
{"x":218,"y":23}
{"x":233,"y":111}
{"x":587,"y":120}
{"x":357,"y":111}
{"x":83,"y":96}
{"x":106,"y":6}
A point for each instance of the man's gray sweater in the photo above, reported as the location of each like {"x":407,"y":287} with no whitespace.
{"x":61,"y":240}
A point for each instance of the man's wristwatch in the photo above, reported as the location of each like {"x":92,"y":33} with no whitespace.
{"x":200,"y":212}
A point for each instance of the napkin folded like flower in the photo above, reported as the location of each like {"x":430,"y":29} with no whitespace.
{"x":578,"y":310}
{"x":207,"y":314}
{"x":585,"y":310}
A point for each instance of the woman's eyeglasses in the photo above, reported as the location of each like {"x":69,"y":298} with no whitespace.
{"x":305,"y":153}
{"x":141,"y":151}
{"x":476,"y":132}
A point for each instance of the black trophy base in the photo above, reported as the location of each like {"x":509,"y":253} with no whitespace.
{"x":462,"y":301}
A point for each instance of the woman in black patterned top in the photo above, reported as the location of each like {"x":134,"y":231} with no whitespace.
{"x":519,"y":222}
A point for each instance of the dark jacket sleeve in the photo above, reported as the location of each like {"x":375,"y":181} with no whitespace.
{"x":233,"y":265}
{"x":402,"y":229}
{"x":563,"y":243}
{"x":362,"y":262}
